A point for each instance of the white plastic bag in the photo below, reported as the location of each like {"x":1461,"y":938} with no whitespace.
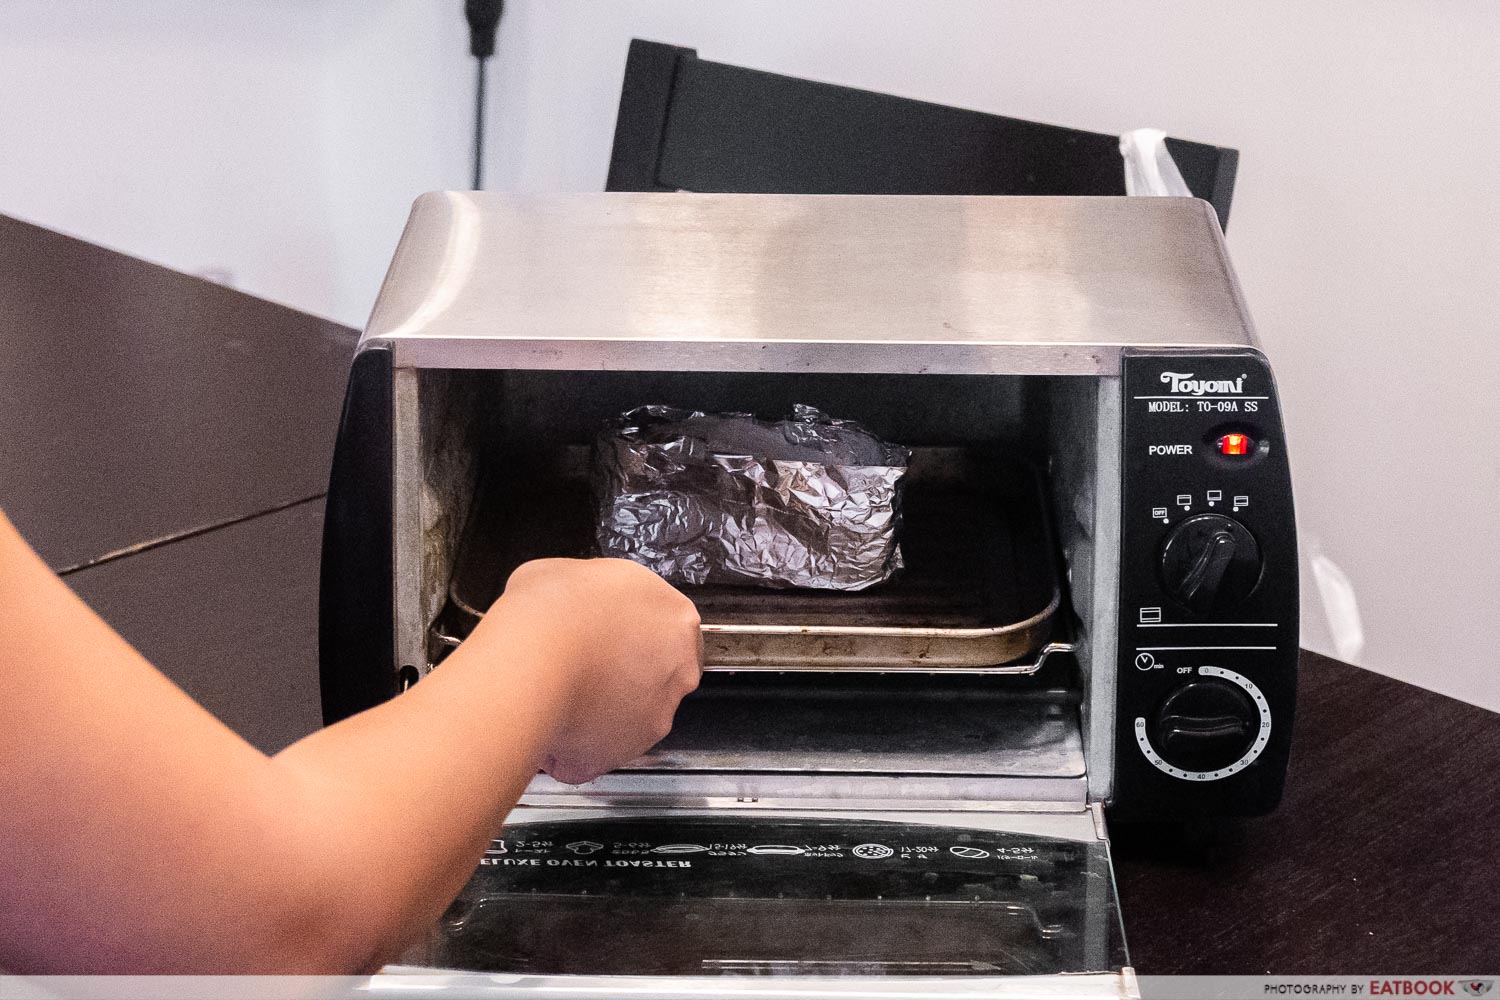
{"x":1149,"y":168}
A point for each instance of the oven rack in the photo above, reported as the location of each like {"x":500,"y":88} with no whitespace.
{"x":447,"y":642}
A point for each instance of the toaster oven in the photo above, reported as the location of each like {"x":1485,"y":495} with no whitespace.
{"x":901,"y":790}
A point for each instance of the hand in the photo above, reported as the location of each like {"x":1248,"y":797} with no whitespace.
{"x":629,"y":644}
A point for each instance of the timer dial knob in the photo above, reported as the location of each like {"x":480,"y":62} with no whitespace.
{"x":1210,"y":562}
{"x":1205,"y":725}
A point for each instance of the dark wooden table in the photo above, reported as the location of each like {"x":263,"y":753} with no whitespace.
{"x":1384,"y":856}
{"x":165,"y":441}
{"x":142,"y":405}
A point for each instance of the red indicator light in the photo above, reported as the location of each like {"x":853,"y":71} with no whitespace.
{"x":1234,"y":444}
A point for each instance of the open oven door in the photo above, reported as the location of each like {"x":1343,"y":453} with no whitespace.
{"x":748,"y":901}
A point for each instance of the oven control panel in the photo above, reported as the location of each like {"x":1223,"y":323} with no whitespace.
{"x":1208,"y":589}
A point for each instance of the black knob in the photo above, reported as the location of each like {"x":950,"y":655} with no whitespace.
{"x":1210,"y":562}
{"x":1205,"y":725}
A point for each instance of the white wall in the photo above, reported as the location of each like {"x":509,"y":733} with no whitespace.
{"x":288,"y":144}
{"x":398,"y":117}
{"x":183,"y":131}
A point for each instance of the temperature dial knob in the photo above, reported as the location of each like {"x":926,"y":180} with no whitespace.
{"x":1205,"y":725}
{"x":1210,"y":562}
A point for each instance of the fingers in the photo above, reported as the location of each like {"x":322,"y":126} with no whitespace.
{"x":634,"y":644}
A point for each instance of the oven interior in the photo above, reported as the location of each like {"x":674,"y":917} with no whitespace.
{"x":979,"y":589}
{"x":1002,"y":519}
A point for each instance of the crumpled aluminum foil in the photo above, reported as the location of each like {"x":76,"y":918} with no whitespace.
{"x":728,"y":499}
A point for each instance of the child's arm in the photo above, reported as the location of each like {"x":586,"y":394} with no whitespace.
{"x":139,"y":834}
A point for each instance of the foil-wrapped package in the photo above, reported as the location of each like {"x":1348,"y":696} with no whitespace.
{"x":728,"y":499}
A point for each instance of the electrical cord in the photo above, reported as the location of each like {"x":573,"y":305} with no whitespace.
{"x":479,"y":126}
{"x":484,"y":23}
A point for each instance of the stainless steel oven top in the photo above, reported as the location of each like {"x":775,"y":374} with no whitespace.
{"x":676,"y":281}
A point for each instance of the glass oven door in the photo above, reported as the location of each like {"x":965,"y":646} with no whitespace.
{"x":729,"y":901}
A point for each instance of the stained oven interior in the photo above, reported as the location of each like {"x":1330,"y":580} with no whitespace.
{"x":979,"y":672}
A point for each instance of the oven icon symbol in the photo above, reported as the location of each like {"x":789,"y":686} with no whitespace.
{"x":585,"y":847}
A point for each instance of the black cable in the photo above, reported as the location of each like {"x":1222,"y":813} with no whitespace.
{"x":479,"y":127}
{"x":484,"y":22}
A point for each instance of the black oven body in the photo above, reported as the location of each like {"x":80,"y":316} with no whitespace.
{"x":1208,"y":635}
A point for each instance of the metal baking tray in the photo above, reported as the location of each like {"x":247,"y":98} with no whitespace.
{"x":979,"y":593}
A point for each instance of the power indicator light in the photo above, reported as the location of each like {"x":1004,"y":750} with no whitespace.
{"x":1234,"y":444}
